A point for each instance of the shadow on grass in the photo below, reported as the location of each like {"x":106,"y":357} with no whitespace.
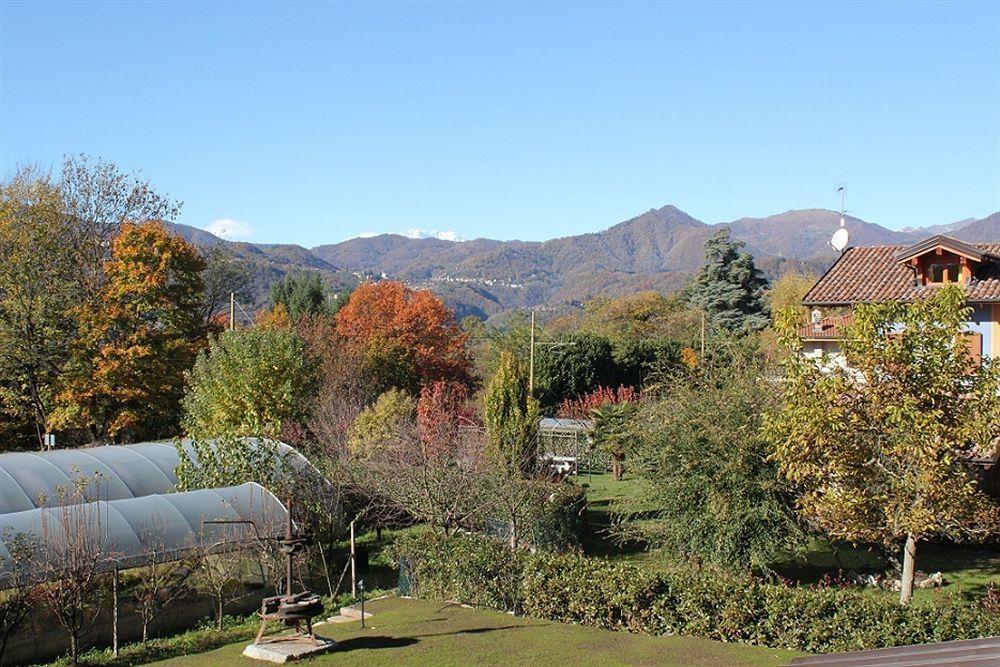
{"x":374,"y":642}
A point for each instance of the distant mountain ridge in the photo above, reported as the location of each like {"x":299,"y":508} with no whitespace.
{"x":659,"y":249}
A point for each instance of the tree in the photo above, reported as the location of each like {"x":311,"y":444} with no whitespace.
{"x":511,"y":416}
{"x":250,"y":382}
{"x":393,"y":315}
{"x":640,"y":315}
{"x":21,"y":594}
{"x":98,"y":199}
{"x":224,"y":275}
{"x":73,"y":550}
{"x":879,"y":446}
{"x":161,"y":579}
{"x":729,"y":287}
{"x":442,"y":409}
{"x":611,"y":431}
{"x":435,"y":477}
{"x":301,"y":295}
{"x":215,"y":573}
{"x":380,"y":422}
{"x":704,"y":462}
{"x":788,"y":292}
{"x":577,"y":364}
{"x":127,"y":369}
{"x":39,"y":291}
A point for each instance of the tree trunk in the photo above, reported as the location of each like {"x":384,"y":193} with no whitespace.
{"x":616,"y":466}
{"x":909,"y":564}
{"x":74,"y":648}
{"x":218,"y":619}
{"x":145,"y":630}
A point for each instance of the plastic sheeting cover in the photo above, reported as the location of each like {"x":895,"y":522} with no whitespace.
{"x":30,"y":480}
{"x":136,"y":531}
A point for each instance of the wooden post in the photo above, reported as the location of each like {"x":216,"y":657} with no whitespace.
{"x":114,"y":611}
{"x":232,"y":310}
{"x":354,"y":574}
{"x":531,"y":358}
{"x":702,"y":336}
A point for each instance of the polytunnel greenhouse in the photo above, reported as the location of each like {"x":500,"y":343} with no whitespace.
{"x":130,"y":532}
{"x":127,"y":506}
{"x":29,"y":480}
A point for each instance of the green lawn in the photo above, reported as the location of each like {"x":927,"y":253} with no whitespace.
{"x":967,"y":570}
{"x":418,"y":632}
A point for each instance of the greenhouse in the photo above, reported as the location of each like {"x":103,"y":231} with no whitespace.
{"x":129,"y":532}
{"x":30,"y":480}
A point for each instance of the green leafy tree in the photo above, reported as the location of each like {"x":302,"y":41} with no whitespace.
{"x":250,"y":382}
{"x":729,"y":287}
{"x":125,"y":377}
{"x":704,"y":461}
{"x":301,"y":295}
{"x":384,"y":420}
{"x":39,"y":291}
{"x":511,"y":416}
{"x":611,"y":431}
{"x":879,"y":446}
{"x":574,"y":365}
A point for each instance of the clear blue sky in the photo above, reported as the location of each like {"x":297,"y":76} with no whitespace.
{"x":316,"y":122}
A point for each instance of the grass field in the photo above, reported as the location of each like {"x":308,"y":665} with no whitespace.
{"x":418,"y":632}
{"x":967,"y":570}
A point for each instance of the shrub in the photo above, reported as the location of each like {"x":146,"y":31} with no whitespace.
{"x":708,"y":603}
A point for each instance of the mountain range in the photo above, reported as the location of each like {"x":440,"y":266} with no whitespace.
{"x":659,"y":249}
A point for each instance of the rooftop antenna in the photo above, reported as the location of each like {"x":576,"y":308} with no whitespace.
{"x":841,"y":236}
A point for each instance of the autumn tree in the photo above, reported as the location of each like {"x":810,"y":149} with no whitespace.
{"x":511,"y":416}
{"x":581,"y":408}
{"x":788,"y":292}
{"x":126,"y":373}
{"x":98,"y":198}
{"x":879,"y":446}
{"x":39,"y":291}
{"x":380,"y":422}
{"x":393,"y":317}
{"x":442,"y":409}
{"x":729,"y":287}
{"x":249,"y":382}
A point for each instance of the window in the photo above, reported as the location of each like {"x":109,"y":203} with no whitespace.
{"x":945,"y":273}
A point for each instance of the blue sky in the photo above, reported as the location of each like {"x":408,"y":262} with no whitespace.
{"x":312,"y":123}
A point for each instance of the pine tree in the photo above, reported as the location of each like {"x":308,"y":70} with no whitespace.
{"x":729,"y":287}
{"x":300,"y":295}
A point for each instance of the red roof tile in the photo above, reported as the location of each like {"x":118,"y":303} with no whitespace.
{"x":828,"y":328}
{"x":872,"y":273}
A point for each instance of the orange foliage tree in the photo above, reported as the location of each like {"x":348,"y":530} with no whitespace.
{"x":126,"y":377}
{"x":390,"y":314}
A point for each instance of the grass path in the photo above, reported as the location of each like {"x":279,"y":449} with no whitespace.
{"x":419,"y":632}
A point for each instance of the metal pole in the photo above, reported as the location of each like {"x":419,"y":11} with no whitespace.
{"x":232,"y":310}
{"x":354,"y":585}
{"x":362,"y":586}
{"x":531,"y":358}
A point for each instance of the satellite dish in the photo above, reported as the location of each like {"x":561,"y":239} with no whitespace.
{"x":840,"y":239}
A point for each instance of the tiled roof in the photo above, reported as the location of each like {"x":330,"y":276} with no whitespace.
{"x":872,"y":273}
{"x":828,"y":328}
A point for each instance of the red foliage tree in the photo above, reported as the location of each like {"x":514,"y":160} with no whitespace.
{"x":442,"y":408}
{"x":579,"y":408}
{"x":389,"y":312}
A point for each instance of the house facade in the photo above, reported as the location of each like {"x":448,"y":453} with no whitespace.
{"x":869,"y":274}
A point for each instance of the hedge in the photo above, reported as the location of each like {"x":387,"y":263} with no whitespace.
{"x":702,"y":603}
